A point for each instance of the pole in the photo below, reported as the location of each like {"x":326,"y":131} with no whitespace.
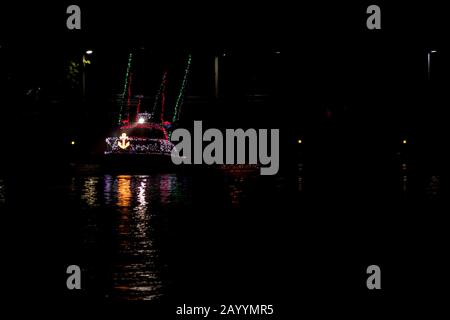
{"x":216,"y":76}
{"x":84,"y":78}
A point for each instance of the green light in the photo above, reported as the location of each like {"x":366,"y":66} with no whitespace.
{"x":130,"y":57}
{"x":182,"y":89}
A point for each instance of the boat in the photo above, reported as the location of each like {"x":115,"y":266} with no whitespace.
{"x":143,"y":142}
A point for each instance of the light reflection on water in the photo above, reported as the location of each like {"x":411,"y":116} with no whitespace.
{"x":236,"y":190}
{"x":434,"y":187}
{"x":124,"y":195}
{"x":137,"y":206}
{"x":300,"y":176}
{"x":431,"y":184}
{"x":2,"y":192}
{"x":89,"y":194}
{"x":404,"y":177}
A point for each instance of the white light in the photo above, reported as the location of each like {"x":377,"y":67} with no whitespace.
{"x":433,"y":51}
{"x":89,"y":51}
{"x":141,"y":120}
{"x":277,"y":52}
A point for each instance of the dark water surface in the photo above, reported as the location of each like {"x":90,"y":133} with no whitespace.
{"x":219,"y":236}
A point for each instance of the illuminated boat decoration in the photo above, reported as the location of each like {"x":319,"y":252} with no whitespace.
{"x":147,"y":134}
{"x":140,"y":138}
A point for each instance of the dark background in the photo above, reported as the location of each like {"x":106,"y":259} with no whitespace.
{"x":329,"y":67}
{"x":350,"y":93}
